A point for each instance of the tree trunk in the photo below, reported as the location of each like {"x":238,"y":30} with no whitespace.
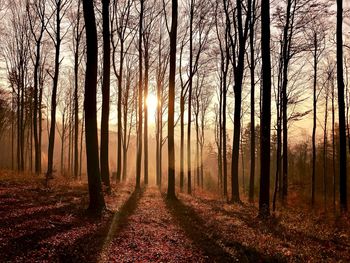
{"x":54,"y":92}
{"x":35,"y":111}
{"x":139,"y":131}
{"x":252,"y":106}
{"x":189,"y":171}
{"x":314,"y":124}
{"x":120,"y":82}
{"x":325,"y":146}
{"x":105,"y":96}
{"x":182,"y":139}
{"x":145,"y":138}
{"x":341,"y":108}
{"x":265,"y":128}
{"x":96,"y":203}
{"x":62,"y":143}
{"x":171,"y":104}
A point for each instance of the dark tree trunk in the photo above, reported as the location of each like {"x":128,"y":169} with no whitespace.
{"x":96,"y":203}
{"x":81,"y":145}
{"x":54,"y":91}
{"x":189,"y":168}
{"x":265,"y":130}
{"x":238,"y":77}
{"x":252,"y":106}
{"x":76,"y":101}
{"x":314,"y":124}
{"x":325,"y":149}
{"x":105,"y":96}
{"x":284,"y":99}
{"x":224,"y":133}
{"x":145,"y":138}
{"x":333,"y":147}
{"x":63,"y":135}
{"x":120,"y":82}
{"x":40,"y":120}
{"x":341,"y":108}
{"x":182,"y":139}
{"x":140,"y":93}
{"x":171,"y":104}
{"x":36,"y":104}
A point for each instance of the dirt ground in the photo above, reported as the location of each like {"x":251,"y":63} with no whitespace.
{"x":51,"y":225}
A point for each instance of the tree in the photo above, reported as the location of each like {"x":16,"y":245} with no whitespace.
{"x":172,"y":69}
{"x":139,"y":129}
{"x":237,"y":61}
{"x":96,"y":203}
{"x":105,"y":95}
{"x":60,"y":7}
{"x":265,"y":123}
{"x":38,"y":22}
{"x":252,"y":101}
{"x":190,"y":88}
{"x":78,"y":29}
{"x":17,"y":64}
{"x":149,"y":18}
{"x":341,"y":109}
{"x":161,"y":69}
{"x":224,"y":67}
{"x":119,"y":26}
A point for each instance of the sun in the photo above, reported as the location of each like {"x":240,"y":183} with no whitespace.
{"x":151,"y":102}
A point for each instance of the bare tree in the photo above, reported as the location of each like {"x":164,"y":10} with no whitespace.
{"x":237,"y":60}
{"x":37,"y":20}
{"x":61,"y":8}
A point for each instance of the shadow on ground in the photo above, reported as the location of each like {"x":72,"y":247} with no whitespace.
{"x":55,"y":227}
{"x":216,"y":249}
{"x":91,"y":245}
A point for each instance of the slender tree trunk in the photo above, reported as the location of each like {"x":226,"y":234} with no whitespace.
{"x":105,"y":96}
{"x":171,"y":104}
{"x":40,"y":123}
{"x":54,"y":91}
{"x":182,"y":140}
{"x":140,"y":93}
{"x":333,"y":147}
{"x":224,"y":133}
{"x":325,"y":147}
{"x":145,"y":138}
{"x":189,"y":162}
{"x":197,"y":146}
{"x":81,"y":145}
{"x":314,"y":124}
{"x":252,"y":106}
{"x":76,"y":106}
{"x":341,"y":108}
{"x":284,"y":101}
{"x":35,"y":106}
{"x":96,"y":203}
{"x":62,"y":143}
{"x":120,"y":82}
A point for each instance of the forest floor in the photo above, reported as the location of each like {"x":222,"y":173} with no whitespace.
{"x":51,"y":225}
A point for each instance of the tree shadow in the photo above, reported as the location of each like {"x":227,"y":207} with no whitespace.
{"x":273,"y":226}
{"x":89,"y":247}
{"x":210,"y":241}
